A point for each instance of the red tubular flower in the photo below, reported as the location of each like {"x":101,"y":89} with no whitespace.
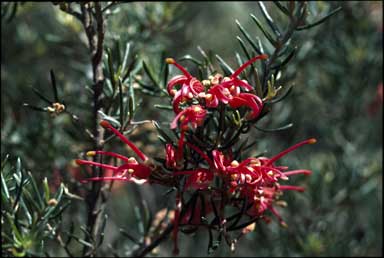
{"x":216,"y":94}
{"x":170,"y":156}
{"x":234,"y":80}
{"x":250,"y":100}
{"x":257,"y":179}
{"x":131,"y":170}
{"x":190,"y":86}
{"x":194,"y":115}
{"x":199,"y":178}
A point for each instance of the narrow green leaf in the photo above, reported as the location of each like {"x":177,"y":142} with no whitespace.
{"x":41,"y":96}
{"x":15,"y":231}
{"x":269,"y":19}
{"x":243,"y":47}
{"x":165,"y":76}
{"x":36,"y":190}
{"x":320,"y":21}
{"x":126,"y":54}
{"x":111,"y":70}
{"x":139,"y":219}
{"x":35,"y":108}
{"x":26,"y":211}
{"x":226,"y":68}
{"x":282,"y":8}
{"x":248,"y":38}
{"x":162,"y":133}
{"x":109,"y":119}
{"x":150,"y":74}
{"x":192,"y":59}
{"x":4,"y":187}
{"x":286,"y":60}
{"x":121,"y":106}
{"x":46,"y":190}
{"x":282,"y":128}
{"x":263,"y":30}
{"x":53,"y":80}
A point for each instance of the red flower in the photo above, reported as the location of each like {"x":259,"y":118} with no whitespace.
{"x":190,"y":86}
{"x":131,"y":170}
{"x":170,"y":156}
{"x":257,"y":178}
{"x":234,"y":80}
{"x":199,"y":178}
{"x":194,"y":115}
{"x":250,"y":100}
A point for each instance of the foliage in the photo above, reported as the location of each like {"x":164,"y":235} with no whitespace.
{"x":327,"y":69}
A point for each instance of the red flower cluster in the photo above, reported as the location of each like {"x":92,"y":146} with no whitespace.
{"x":131,"y":170}
{"x":210,"y":93}
{"x":255,"y":180}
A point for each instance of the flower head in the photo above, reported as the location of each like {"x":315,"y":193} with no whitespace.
{"x":190,"y":86}
{"x":130,"y":170}
{"x":193,"y":115}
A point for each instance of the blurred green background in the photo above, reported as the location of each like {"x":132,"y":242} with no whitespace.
{"x":336,"y":98}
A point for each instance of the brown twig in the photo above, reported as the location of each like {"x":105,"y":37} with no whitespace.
{"x":93,"y":23}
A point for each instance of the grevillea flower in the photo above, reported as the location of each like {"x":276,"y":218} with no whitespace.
{"x":257,"y":179}
{"x":250,"y":100}
{"x":170,"y":156}
{"x":131,"y":170}
{"x":190,"y":86}
{"x":234,"y":80}
{"x":193,"y":115}
{"x":199,"y":178}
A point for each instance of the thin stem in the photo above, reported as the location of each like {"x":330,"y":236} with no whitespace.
{"x":144,"y":250}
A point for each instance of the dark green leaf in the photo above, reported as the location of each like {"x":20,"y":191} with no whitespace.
{"x":282,"y":8}
{"x":265,"y":32}
{"x":320,"y":21}
{"x":282,"y":128}
{"x":269,"y":19}
{"x":248,"y":37}
{"x":150,"y":74}
{"x":226,"y":68}
{"x":41,"y":96}
{"x":53,"y":80}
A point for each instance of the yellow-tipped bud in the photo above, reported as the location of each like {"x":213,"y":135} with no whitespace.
{"x":130,"y":171}
{"x":234,"y":163}
{"x":132,"y":160}
{"x":52,"y":202}
{"x":312,"y":141}
{"x":91,"y":153}
{"x":170,"y":60}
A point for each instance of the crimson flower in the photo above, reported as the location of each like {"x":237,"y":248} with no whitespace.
{"x":250,"y":100}
{"x":131,"y":170}
{"x":193,"y":115}
{"x":257,"y":179}
{"x":190,"y":86}
{"x":234,"y":80}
